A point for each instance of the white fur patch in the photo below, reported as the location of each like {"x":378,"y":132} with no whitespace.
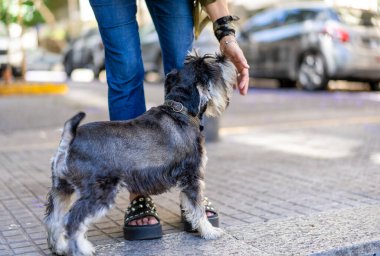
{"x":207,"y":231}
{"x":55,"y":224}
{"x":59,"y":162}
{"x":62,"y":245}
{"x":229,"y":74}
{"x":220,"y":94}
{"x":85,"y":247}
{"x":192,"y":214}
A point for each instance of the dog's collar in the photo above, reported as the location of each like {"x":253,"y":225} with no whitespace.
{"x":180,"y":108}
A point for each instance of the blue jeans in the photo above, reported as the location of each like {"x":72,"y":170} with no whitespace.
{"x":119,"y":31}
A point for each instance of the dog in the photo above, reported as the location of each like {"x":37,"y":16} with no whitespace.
{"x":148,"y":155}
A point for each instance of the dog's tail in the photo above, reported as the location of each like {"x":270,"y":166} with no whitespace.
{"x":68,"y":134}
{"x":70,"y":128}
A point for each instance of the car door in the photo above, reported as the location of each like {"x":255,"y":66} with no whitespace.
{"x":293,"y":37}
{"x":255,"y":38}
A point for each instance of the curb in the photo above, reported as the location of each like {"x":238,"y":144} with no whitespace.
{"x":354,"y":231}
{"x":32,"y":89}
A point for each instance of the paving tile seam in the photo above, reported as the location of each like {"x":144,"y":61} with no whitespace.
{"x":263,"y":201}
{"x":327,"y":187}
{"x":26,"y":206}
{"x":25,"y":233}
{"x":37,"y":197}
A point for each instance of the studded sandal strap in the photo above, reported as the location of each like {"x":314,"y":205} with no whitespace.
{"x":140,"y":207}
{"x":209,"y":207}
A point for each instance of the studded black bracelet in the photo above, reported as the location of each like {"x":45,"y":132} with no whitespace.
{"x":224,"y":26}
{"x":225,"y":20}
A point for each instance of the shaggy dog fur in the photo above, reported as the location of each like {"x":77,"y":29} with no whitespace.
{"x":148,"y":155}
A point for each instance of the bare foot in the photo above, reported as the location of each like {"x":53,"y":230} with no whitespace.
{"x":148,"y":220}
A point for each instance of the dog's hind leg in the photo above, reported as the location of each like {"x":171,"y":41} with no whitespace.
{"x":192,"y":203}
{"x":95,"y":201}
{"x":59,"y":201}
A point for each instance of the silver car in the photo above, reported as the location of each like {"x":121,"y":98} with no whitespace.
{"x":311,"y":43}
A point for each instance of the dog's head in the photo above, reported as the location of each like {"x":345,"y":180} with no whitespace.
{"x":207,"y":81}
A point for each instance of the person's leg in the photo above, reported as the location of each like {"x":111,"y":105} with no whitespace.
{"x":174,"y":24}
{"x":170,"y":19}
{"x":124,"y":66}
{"x":125,"y":72}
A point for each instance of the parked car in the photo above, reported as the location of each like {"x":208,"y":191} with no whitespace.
{"x":87,"y":50}
{"x":312,"y":43}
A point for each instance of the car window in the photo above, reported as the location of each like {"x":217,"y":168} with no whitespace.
{"x":356,"y":17}
{"x":262,"y":21}
{"x":295,"y":16}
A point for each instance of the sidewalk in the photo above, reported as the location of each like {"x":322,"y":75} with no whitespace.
{"x":283,"y":200}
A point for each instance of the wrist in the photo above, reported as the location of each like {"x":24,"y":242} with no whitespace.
{"x":224,"y":26}
{"x":226,"y":42}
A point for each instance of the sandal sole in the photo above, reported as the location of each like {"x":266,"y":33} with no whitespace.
{"x":147,"y":232}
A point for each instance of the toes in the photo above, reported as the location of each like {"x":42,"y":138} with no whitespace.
{"x":144,"y":221}
{"x":209,"y":214}
{"x":152,"y":221}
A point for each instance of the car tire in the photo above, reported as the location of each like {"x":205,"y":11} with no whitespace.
{"x":286,"y":83}
{"x":68,"y":65}
{"x":374,"y":85}
{"x":92,"y":66}
{"x":312,"y":72}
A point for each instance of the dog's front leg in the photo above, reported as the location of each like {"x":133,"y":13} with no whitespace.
{"x":192,"y":204}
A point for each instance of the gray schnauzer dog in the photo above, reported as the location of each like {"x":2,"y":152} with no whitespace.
{"x":148,"y":155}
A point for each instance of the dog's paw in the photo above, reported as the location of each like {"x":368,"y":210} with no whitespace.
{"x":212,"y":233}
{"x":81,"y":247}
{"x":50,"y":242}
{"x":87,"y":248}
{"x":61,"y":247}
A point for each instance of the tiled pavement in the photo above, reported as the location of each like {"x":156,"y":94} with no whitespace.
{"x":260,"y":173}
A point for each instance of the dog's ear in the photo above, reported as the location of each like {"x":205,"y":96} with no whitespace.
{"x":170,"y":80}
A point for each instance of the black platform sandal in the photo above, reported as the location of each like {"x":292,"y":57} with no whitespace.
{"x":140,"y":207}
{"x":214,"y":219}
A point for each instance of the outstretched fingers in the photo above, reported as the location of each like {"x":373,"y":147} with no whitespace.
{"x":236,"y":55}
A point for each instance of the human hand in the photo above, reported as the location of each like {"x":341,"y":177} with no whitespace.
{"x":230,"y":48}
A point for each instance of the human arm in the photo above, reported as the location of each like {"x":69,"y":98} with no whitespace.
{"x":229,"y":46}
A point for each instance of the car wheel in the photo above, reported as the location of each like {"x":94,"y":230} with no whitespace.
{"x":286,"y":83}
{"x":68,"y":64}
{"x":312,"y":72}
{"x":374,"y":85}
{"x":90,"y":64}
